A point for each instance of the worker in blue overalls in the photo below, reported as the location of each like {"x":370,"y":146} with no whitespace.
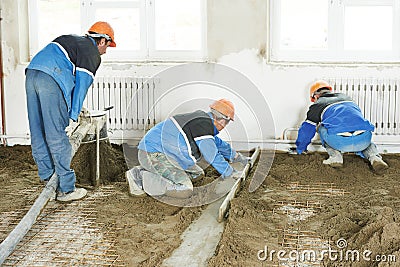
{"x":169,"y":151}
{"x":57,"y":80}
{"x":341,"y":127}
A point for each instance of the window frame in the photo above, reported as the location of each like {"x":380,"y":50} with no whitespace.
{"x":335,"y":52}
{"x":88,"y":12}
{"x":147,"y":52}
{"x":178,"y":55}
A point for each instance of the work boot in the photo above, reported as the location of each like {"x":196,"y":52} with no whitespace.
{"x":156,"y":185}
{"x":335,"y":158}
{"x":372,"y":154}
{"x":77,"y":194}
{"x":135,"y":181}
{"x":377,"y":163}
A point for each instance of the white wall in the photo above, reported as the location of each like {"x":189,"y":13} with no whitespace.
{"x":237,"y":35}
{"x":14,"y":49}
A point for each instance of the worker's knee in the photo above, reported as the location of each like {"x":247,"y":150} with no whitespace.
{"x":179,"y":191}
{"x":156,"y":185}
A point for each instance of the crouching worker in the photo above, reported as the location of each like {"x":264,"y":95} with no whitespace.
{"x":169,"y":151}
{"x":341,"y":126}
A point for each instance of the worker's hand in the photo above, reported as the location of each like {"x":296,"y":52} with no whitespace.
{"x":225,"y":184}
{"x":71,"y":127}
{"x":84,"y":112}
{"x":84,"y":115}
{"x":295,"y":151}
{"x":240,"y":158}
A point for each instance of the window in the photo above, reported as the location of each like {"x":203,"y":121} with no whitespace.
{"x":144,"y":29}
{"x":335,"y":31}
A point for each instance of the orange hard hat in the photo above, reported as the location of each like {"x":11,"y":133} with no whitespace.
{"x":318,"y":85}
{"x":103,"y":29}
{"x":225,"y":107}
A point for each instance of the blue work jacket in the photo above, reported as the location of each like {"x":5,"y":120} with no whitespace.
{"x":72,"y":61}
{"x":337,"y":113}
{"x":169,"y":138}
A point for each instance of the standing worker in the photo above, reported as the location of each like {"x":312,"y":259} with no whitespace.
{"x":341,"y":127}
{"x":169,"y":151}
{"x":57,"y":80}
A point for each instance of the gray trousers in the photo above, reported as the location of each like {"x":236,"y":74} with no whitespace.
{"x":164,"y":176}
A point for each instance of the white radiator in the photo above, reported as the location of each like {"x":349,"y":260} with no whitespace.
{"x":132,"y":100}
{"x":379,"y":101}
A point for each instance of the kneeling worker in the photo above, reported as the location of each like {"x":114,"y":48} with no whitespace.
{"x":169,"y":151}
{"x":341,"y":126}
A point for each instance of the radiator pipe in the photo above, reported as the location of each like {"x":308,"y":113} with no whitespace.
{"x":16,"y":136}
{"x":12,"y":240}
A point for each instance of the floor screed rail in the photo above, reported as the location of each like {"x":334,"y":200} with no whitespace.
{"x":236,"y":187}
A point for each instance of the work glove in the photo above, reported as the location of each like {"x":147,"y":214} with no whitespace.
{"x":85,"y":112}
{"x":240,"y":158}
{"x":84,"y":115}
{"x":225,"y":184}
{"x":293,"y":151}
{"x":71,"y":127}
